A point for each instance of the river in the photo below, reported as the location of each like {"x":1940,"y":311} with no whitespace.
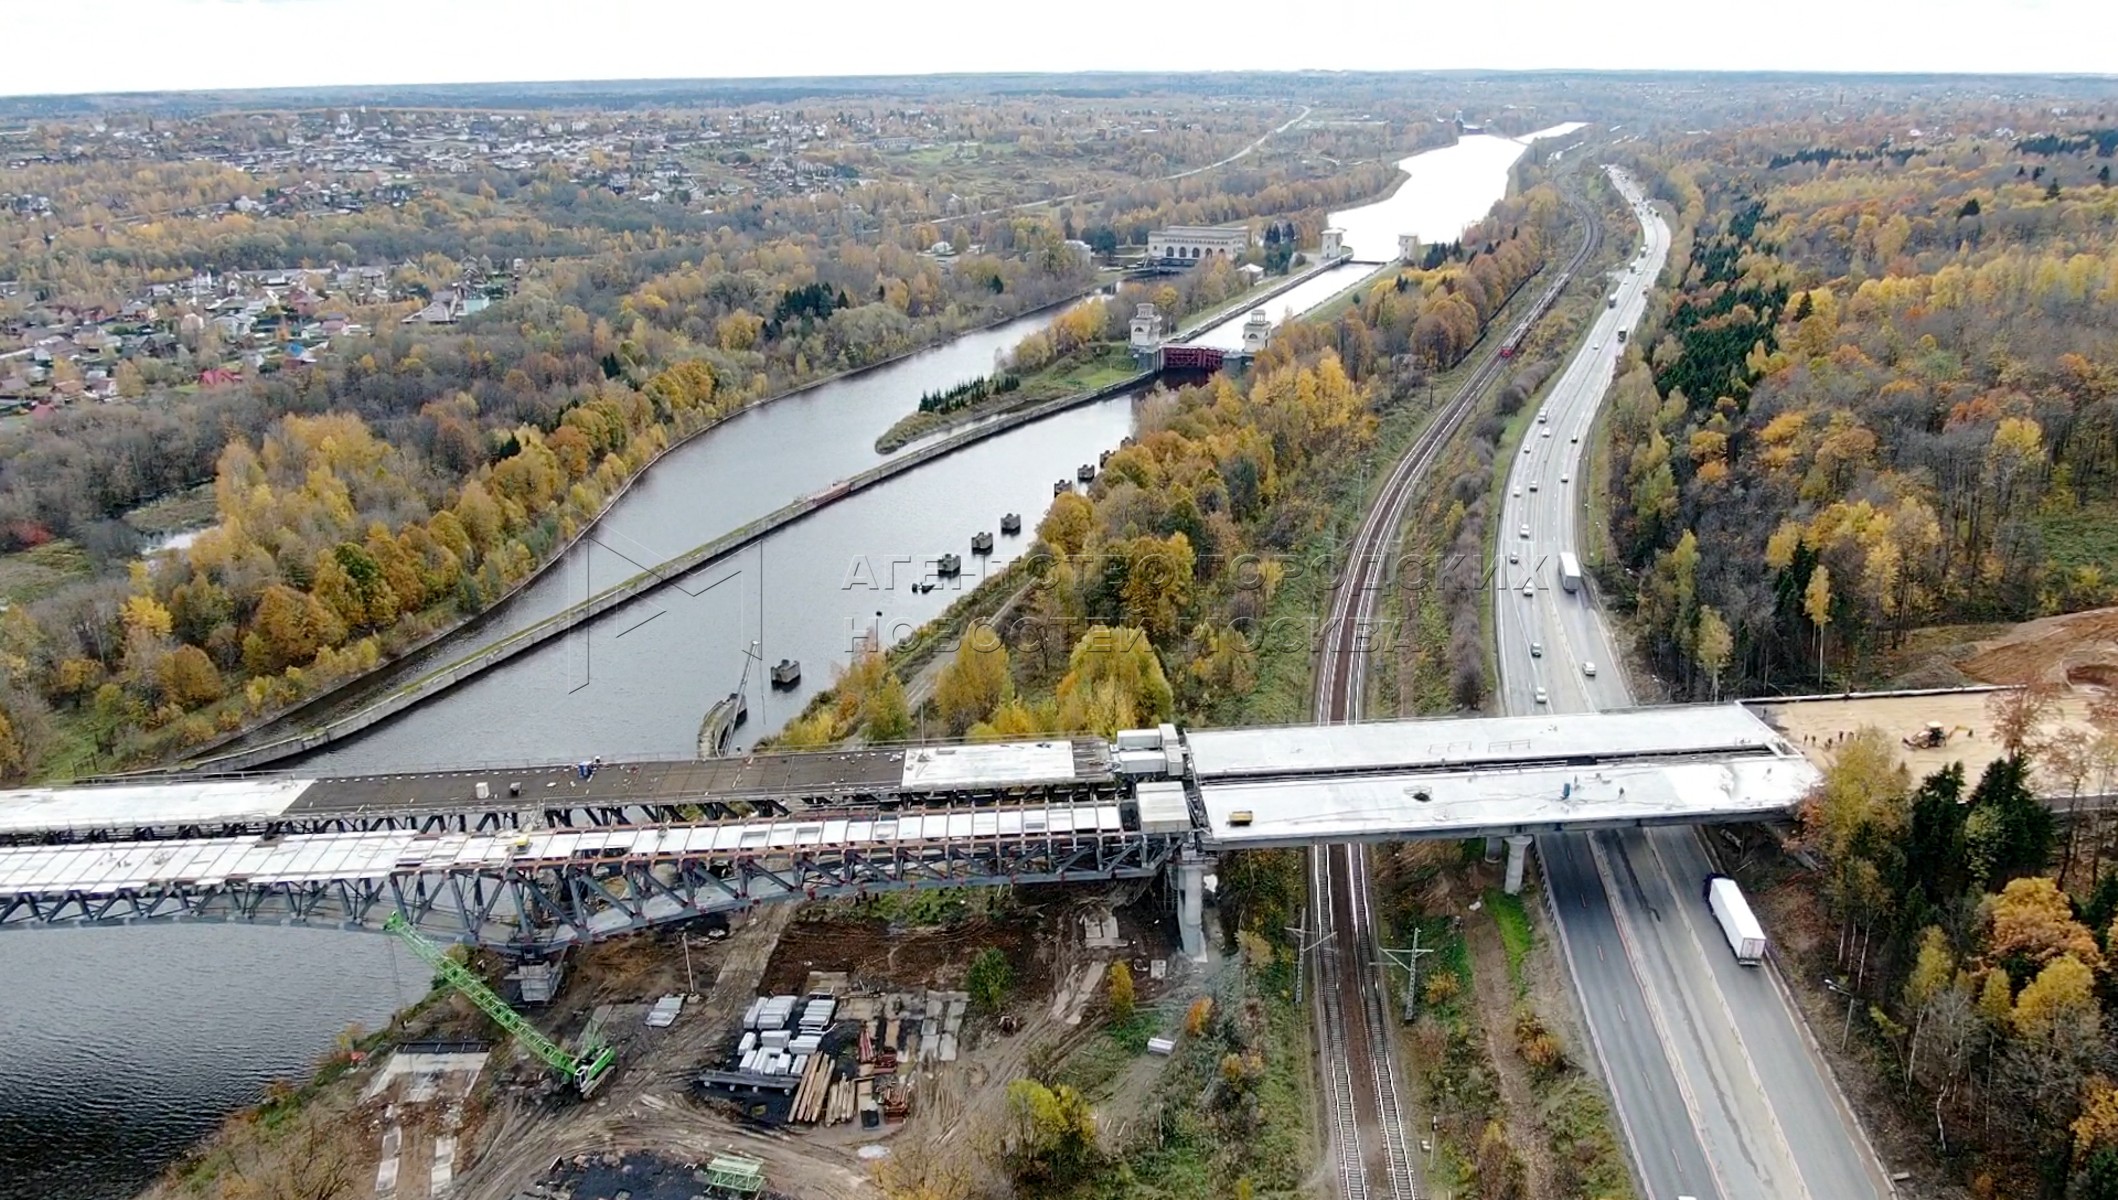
{"x":119,"y":1048}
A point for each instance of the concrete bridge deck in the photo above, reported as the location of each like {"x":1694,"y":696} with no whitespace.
{"x":349,"y":851}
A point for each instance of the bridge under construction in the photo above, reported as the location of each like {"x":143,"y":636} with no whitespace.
{"x":534,"y":858}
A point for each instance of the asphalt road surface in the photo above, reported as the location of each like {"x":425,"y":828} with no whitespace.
{"x":1718,"y":1090}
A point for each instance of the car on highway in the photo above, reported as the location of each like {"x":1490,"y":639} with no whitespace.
{"x":1516,"y":492}
{"x":1513,"y":557}
{"x":1525,"y":531}
{"x":1576,"y":439}
{"x":1589,"y":669}
{"x":1544,"y":416}
{"x":1547,"y":433}
{"x":1536,"y":649}
{"x":1533,"y":485}
{"x":1566,"y":479}
{"x":1541,"y":697}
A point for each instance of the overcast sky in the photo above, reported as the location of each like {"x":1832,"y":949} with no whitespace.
{"x":152,"y":45}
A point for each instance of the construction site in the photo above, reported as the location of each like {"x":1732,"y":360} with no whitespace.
{"x":1944,"y":712}
{"x":795,"y":1052}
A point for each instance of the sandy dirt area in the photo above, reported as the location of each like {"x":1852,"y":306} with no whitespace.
{"x":1817,"y":727}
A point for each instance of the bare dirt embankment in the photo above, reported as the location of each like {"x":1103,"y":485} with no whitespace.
{"x":2076,"y":653}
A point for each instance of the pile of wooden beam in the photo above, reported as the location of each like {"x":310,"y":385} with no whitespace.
{"x":815,"y":1089}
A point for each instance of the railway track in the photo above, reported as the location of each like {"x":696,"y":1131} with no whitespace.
{"x":1363,"y":1095}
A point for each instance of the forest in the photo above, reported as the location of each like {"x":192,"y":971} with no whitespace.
{"x":413,"y":474}
{"x":1974,"y":926}
{"x":1890,"y":379}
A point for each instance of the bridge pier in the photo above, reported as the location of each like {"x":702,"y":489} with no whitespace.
{"x":1190,"y":870}
{"x":1518,"y":855}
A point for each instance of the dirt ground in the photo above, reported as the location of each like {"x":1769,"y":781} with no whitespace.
{"x":1816,"y":726}
{"x":648,"y":1107}
{"x":2078,"y":648}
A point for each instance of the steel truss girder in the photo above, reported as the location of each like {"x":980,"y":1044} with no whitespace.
{"x":531,"y":909}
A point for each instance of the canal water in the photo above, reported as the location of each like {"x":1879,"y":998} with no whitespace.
{"x":119,"y":1048}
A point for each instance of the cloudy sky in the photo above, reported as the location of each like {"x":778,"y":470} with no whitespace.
{"x":143,"y":45}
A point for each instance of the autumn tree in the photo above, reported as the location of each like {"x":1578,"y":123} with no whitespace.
{"x":2033,"y":923}
{"x":2019,"y":715}
{"x":886,"y":714}
{"x":1052,"y":1134}
{"x":1715,"y":644}
{"x":1121,"y":992}
{"x":1816,"y":603}
{"x":1114,"y":681}
{"x":1065,"y":528}
{"x":977,"y":680}
{"x":189,"y":679}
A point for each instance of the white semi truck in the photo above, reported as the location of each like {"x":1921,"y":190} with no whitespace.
{"x":1569,"y":571}
{"x":1745,"y":936}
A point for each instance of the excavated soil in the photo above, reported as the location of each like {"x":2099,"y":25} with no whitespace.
{"x":2078,"y":648}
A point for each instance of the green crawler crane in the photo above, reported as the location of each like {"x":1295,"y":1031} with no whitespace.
{"x":587,"y":1071}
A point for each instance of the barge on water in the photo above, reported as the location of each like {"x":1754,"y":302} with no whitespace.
{"x":981,"y":543}
{"x":948,"y":566}
{"x":1011,"y":524}
{"x":787,"y":673}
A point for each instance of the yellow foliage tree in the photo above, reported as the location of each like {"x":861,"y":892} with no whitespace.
{"x":1113,"y":681}
{"x":145,"y":614}
{"x":2033,"y":922}
{"x":2059,"y":1004}
{"x":977,"y":680}
{"x":1122,"y":996}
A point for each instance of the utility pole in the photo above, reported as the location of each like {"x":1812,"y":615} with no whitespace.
{"x":1409,"y":960}
{"x":1833,"y":986}
{"x":691,"y":986}
{"x":1302,"y":946}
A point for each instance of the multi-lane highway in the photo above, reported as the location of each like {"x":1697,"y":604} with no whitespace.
{"x":1718,"y":1091}
{"x":1356,"y":1048}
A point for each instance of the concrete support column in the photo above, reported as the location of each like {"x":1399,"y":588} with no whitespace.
{"x":1518,"y":857}
{"x":1492,"y":849}
{"x":1190,"y":869}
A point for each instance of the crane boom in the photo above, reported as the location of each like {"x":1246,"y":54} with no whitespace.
{"x":586,"y":1072}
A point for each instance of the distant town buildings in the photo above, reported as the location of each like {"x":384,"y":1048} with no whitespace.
{"x":1182,"y":244}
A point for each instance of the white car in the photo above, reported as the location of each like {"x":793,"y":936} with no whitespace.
{"x":1529,"y":590}
{"x":1513,"y":558}
{"x":1566,"y":478}
{"x":1533,"y":485}
{"x":1589,"y":669}
{"x":1516,"y":492}
{"x":1541,"y":698}
{"x":1547,"y":433}
{"x":1576,"y":439}
{"x":1542,"y":417}
{"x":1536,"y":649}
{"x":1525,"y":531}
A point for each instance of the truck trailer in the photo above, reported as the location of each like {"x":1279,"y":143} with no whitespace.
{"x":1569,"y":571}
{"x":1745,"y":936}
